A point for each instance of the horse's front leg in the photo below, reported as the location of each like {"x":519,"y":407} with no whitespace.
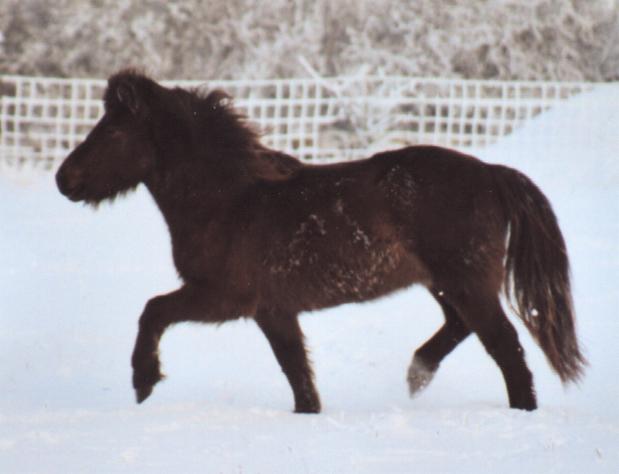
{"x":158,"y":314}
{"x":189,"y":303}
{"x":286,"y":339}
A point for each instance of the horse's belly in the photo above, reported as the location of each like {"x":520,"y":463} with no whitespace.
{"x":328,"y":277}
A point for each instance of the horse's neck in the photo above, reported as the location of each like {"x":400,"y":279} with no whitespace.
{"x":191,"y":193}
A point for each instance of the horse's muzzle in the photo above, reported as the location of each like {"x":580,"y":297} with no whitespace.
{"x":70,"y":183}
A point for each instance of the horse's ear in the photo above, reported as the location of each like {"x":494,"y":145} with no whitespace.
{"x":128,"y":95}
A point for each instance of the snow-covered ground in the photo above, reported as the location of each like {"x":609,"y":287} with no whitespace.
{"x":73,"y":282}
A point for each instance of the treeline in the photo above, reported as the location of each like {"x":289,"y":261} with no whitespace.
{"x":501,"y":39}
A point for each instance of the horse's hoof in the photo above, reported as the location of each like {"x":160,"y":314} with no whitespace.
{"x":310,"y":405}
{"x":419,"y":376}
{"x":142,"y":393}
{"x":145,"y":380}
{"x":308,"y":410}
{"x":525,"y":401}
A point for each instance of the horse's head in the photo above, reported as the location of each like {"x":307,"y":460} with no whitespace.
{"x":119,"y":152}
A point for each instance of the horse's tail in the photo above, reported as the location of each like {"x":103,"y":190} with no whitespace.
{"x":537,"y":278}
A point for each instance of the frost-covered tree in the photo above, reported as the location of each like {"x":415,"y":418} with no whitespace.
{"x":506,"y":39}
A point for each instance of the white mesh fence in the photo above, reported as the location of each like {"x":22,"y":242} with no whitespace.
{"x":316,"y":119}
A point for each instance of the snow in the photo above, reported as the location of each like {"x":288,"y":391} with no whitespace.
{"x":73,"y":283}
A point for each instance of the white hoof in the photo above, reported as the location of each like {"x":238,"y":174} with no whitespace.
{"x":419,"y":376}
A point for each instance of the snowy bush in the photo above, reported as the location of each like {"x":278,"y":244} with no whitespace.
{"x":503,"y":39}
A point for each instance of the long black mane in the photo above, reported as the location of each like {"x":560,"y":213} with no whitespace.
{"x":210,"y":118}
{"x":225,"y":126}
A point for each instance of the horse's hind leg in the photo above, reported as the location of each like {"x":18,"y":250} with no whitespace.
{"x":483,"y":314}
{"x":428,"y":357}
{"x":286,"y":339}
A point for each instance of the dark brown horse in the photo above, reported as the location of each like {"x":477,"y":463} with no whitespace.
{"x":256,"y":233}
